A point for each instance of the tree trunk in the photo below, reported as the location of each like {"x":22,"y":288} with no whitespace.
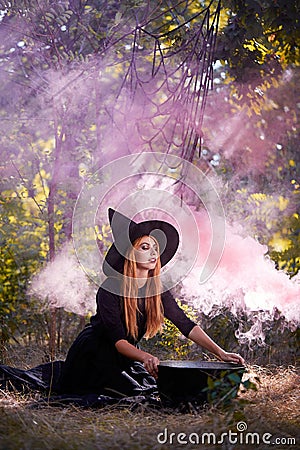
{"x":51,"y":227}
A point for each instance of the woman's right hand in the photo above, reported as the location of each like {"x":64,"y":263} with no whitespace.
{"x":130,"y":351}
{"x":150,"y":363}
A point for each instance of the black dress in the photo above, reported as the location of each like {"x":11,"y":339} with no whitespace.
{"x":93,"y":364}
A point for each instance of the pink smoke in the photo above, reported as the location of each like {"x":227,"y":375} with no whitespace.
{"x":63,"y":284}
{"x":244,"y":279}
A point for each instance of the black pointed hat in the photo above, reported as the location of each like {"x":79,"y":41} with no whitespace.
{"x":125,"y":231}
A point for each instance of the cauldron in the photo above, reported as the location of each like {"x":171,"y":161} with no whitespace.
{"x":187,"y":381}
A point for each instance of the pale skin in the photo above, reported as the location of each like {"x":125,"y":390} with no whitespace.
{"x":146,"y":257}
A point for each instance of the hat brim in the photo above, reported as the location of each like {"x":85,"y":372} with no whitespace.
{"x":165,"y":233}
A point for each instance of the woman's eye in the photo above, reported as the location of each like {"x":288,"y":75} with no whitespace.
{"x":145,"y":247}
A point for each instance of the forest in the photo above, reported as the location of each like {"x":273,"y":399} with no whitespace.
{"x":205,"y":87}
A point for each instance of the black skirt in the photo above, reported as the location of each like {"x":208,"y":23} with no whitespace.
{"x":93,"y":365}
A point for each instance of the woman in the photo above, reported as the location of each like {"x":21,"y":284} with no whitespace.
{"x":131,"y":304}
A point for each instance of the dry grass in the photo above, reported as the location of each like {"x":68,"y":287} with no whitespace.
{"x":273,"y":408}
{"x":278,"y":393}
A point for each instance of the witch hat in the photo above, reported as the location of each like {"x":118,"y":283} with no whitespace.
{"x":125,"y":231}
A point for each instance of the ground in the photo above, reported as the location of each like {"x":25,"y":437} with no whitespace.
{"x":261,"y":419}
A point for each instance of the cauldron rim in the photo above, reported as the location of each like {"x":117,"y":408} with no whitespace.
{"x":200,"y":364}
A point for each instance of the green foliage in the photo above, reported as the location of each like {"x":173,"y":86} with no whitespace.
{"x":222,"y":389}
{"x":258,"y":34}
{"x":19,"y":261}
{"x":221,"y":324}
{"x":284,"y":247}
{"x":170,"y":344}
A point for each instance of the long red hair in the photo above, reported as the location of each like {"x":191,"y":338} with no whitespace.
{"x":154,"y":307}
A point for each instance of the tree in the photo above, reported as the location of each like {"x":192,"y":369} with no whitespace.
{"x":86,"y":81}
{"x":260,"y":37}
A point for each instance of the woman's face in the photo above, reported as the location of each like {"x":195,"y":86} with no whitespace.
{"x":146,"y":253}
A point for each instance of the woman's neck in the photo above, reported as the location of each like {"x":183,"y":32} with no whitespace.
{"x":141,"y":276}
{"x":141,"y":282}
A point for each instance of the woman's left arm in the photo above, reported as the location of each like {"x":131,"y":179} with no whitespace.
{"x":199,"y":336}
